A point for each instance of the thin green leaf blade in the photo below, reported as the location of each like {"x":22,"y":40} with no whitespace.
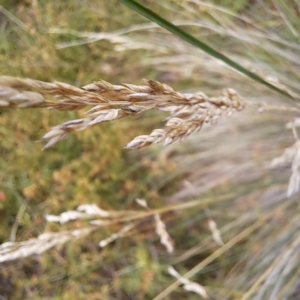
{"x":139,"y":8}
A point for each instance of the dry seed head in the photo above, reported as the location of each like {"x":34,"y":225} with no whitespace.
{"x":294,"y":182}
{"x":15,"y":250}
{"x":161,"y":231}
{"x":187,"y":284}
{"x":216,"y":234}
{"x":11,"y":98}
{"x":84,"y":211}
{"x":142,"y":202}
{"x":286,"y":158}
{"x":60,"y":132}
{"x":160,"y":228}
{"x":106,"y":115}
{"x":108,"y":102}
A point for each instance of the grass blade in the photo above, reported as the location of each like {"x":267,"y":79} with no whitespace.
{"x":204,"y":47}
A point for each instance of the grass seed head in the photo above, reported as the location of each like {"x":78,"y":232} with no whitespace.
{"x":108,"y":102}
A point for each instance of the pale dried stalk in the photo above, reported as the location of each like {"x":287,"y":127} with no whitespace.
{"x":122,"y":42}
{"x":116,"y":235}
{"x":279,"y":270}
{"x":188,"y":112}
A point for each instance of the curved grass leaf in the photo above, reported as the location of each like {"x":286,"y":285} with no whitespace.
{"x":204,"y":47}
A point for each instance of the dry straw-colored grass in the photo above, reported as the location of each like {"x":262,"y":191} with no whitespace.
{"x":188,"y":112}
{"x":258,"y":226}
{"x":108,"y":102}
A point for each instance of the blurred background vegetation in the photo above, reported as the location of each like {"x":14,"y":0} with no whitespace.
{"x":61,"y":40}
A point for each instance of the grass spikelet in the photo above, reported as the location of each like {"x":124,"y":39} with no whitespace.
{"x":160,"y":228}
{"x":286,"y":157}
{"x":294,"y":182}
{"x":163,"y":234}
{"x":187,"y":284}
{"x":84,"y":211}
{"x":291,"y":156}
{"x":216,"y":234}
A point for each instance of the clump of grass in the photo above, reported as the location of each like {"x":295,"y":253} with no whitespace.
{"x":259,"y":250}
